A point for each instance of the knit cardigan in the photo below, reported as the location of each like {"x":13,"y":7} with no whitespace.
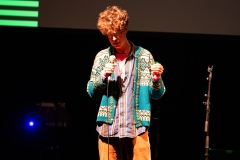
{"x":144,"y":87}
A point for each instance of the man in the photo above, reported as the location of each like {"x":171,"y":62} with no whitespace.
{"x":125,"y":85}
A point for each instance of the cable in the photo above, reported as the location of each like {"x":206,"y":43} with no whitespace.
{"x":107,"y":112}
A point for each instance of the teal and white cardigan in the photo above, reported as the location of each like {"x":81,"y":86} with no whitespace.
{"x":144,"y":88}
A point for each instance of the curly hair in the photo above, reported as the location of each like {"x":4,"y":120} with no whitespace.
{"x":113,"y":20}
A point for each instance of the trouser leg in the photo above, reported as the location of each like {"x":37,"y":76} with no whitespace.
{"x":111,"y":150}
{"x":139,"y":148}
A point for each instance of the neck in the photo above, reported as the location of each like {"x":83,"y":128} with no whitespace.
{"x":121,"y":56}
{"x":124,"y":50}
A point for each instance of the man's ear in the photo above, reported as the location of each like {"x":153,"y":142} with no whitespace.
{"x":126,"y":29}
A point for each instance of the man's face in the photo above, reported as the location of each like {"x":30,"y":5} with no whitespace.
{"x":118,"y":40}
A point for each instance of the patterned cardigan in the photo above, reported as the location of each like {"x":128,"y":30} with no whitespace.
{"x":144,"y":87}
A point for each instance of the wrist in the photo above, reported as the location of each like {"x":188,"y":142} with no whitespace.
{"x":155,"y":77}
{"x":103,"y":75}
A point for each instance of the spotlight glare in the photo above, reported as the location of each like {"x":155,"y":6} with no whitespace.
{"x":31,"y":123}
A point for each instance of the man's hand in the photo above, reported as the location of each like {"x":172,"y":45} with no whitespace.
{"x":157,"y":70}
{"x":109,"y":68}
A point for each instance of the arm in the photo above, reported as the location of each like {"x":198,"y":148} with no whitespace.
{"x":97,"y":84}
{"x":156,"y":85}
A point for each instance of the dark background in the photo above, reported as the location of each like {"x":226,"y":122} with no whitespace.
{"x":53,"y":65}
{"x":186,"y":16}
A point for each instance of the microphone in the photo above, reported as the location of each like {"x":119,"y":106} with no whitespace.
{"x":111,"y":59}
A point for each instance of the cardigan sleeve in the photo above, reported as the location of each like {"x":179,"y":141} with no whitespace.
{"x":96,"y":86}
{"x":144,"y":60}
{"x":156,"y":88}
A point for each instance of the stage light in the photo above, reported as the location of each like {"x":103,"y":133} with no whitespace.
{"x":47,"y":128}
{"x":31,"y":123}
{"x":47,"y":115}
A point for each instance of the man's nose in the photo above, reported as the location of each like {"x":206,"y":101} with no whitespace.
{"x":114,"y":38}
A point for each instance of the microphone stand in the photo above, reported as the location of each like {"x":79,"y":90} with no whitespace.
{"x":109,"y":78}
{"x":207,"y":104}
{"x":108,"y":81}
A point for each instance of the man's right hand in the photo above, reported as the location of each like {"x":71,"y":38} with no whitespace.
{"x":109,"y":68}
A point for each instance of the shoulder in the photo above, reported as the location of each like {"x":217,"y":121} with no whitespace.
{"x":140,"y":51}
{"x":102,"y":53}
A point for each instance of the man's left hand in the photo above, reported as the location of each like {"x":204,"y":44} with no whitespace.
{"x":157,"y":70}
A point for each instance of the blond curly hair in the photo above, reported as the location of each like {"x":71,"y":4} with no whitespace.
{"x":113,"y":20}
